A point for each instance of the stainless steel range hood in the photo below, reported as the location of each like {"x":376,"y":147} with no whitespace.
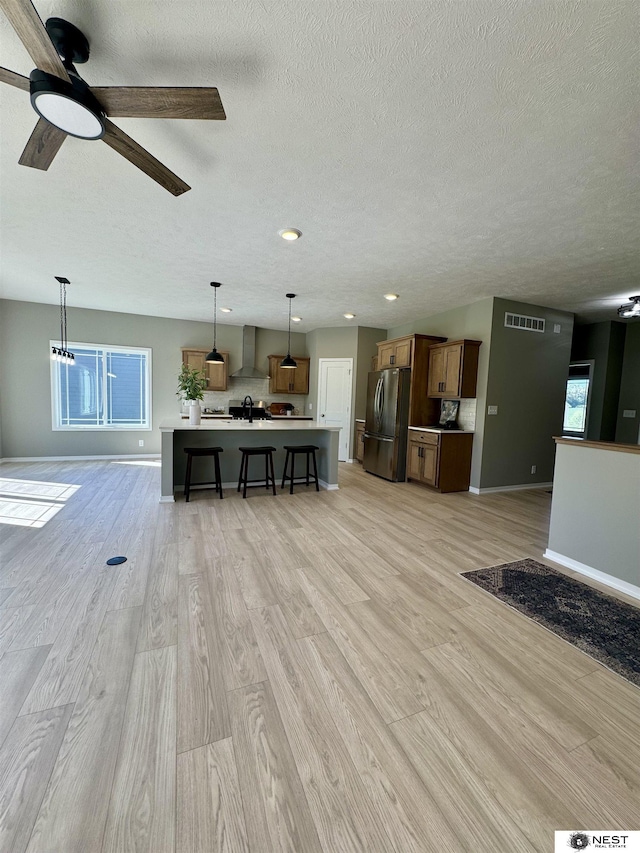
{"x":248,"y":369}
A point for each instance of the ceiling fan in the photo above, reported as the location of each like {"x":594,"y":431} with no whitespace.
{"x":67,"y":106}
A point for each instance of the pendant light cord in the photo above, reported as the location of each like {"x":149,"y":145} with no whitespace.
{"x":215,"y":315}
{"x":64,"y":296}
{"x":289,"y":337}
{"x":61,"y":320}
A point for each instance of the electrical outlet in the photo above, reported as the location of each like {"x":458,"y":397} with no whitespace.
{"x":629,"y":413}
{"x":310,"y":406}
{"x":141,"y":442}
{"x":492,"y":410}
{"x":534,"y":468}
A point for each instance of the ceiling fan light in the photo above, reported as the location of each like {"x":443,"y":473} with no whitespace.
{"x":71,"y":108}
{"x":630,"y":309}
{"x":288,"y":363}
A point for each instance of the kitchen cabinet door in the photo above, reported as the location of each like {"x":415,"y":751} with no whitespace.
{"x":414,"y":461}
{"x":218,"y":374}
{"x":453,"y":369}
{"x":402,"y":353}
{"x":430,"y":464}
{"x":385,"y":355}
{"x":301,"y":376}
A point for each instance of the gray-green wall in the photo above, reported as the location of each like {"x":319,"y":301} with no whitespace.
{"x":527,"y":382}
{"x":628,"y":429}
{"x":471,"y":322}
{"x":25,"y":331}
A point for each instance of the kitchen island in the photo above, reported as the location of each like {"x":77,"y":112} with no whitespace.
{"x":178,"y":434}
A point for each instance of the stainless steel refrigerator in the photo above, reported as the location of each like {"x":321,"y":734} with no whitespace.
{"x":385,"y":431}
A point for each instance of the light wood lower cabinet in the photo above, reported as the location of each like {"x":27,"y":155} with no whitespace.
{"x":440,"y":460}
{"x":359,"y":448}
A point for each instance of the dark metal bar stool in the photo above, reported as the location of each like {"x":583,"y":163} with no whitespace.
{"x":269,"y":476}
{"x":203,"y":451}
{"x":292,"y":449}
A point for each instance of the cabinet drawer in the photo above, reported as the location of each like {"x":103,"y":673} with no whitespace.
{"x":424,"y":437}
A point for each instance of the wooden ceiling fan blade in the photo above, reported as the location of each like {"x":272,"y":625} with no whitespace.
{"x":43,"y":145}
{"x":160,"y":102}
{"x":32,"y":33}
{"x":14,"y":79}
{"x":136,"y":154}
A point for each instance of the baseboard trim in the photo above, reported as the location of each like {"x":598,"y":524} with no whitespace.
{"x":80,"y":458}
{"x":474,"y":490}
{"x":596,"y":574}
{"x":167,"y":499}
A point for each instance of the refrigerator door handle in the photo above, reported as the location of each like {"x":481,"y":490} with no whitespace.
{"x":377,"y":437}
{"x":377,"y":407}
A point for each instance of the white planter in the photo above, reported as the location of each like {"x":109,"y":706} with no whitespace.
{"x":195,"y":412}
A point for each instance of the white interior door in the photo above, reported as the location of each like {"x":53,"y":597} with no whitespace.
{"x":334,"y":398}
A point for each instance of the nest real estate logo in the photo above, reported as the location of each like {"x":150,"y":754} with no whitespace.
{"x":592,"y":840}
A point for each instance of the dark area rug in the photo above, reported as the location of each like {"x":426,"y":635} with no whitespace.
{"x":600,"y":625}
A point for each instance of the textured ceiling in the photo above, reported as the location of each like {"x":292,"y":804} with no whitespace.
{"x":447,"y":151}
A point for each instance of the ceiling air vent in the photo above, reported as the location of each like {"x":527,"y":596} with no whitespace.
{"x":520,"y":321}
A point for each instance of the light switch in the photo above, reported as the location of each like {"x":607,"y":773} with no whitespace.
{"x":492,"y":410}
{"x":556,"y":328}
{"x":629,"y":413}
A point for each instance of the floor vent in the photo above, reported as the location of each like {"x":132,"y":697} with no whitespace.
{"x":520,"y":321}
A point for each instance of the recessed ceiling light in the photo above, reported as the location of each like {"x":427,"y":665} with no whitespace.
{"x":391,"y":296}
{"x":290,"y":233}
{"x":227,"y":310}
{"x":296,"y":319}
{"x":349,"y":315}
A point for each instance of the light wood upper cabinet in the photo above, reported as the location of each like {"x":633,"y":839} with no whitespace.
{"x":217,"y":374}
{"x":288,"y":381}
{"x":395,"y":353}
{"x":453,"y":369}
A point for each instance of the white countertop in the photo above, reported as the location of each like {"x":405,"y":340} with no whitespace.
{"x":215,"y":425}
{"x":440,"y":430}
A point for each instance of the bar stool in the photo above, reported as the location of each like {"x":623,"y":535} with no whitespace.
{"x":267,"y":452}
{"x":292,"y":449}
{"x":203,"y":451}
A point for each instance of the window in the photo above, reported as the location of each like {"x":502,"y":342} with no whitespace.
{"x":107,"y":388}
{"x":576,"y":406}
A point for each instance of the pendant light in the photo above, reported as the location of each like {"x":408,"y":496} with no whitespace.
{"x":287,"y":361}
{"x":62,"y":354}
{"x":214,"y":356}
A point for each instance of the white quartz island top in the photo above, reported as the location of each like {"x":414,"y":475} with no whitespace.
{"x":280,"y":425}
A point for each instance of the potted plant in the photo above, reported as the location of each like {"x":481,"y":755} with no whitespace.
{"x":191,"y":386}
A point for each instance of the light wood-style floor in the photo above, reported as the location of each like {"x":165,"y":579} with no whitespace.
{"x":299,"y":673}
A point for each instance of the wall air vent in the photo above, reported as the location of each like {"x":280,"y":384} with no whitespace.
{"x":520,"y":321}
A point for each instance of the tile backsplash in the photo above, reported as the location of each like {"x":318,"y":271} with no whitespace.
{"x":467,"y":414}
{"x":257,"y":389}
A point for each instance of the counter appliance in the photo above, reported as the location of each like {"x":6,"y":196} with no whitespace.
{"x":386,"y":424}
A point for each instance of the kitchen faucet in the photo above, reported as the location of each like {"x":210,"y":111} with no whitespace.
{"x":244,"y":407}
